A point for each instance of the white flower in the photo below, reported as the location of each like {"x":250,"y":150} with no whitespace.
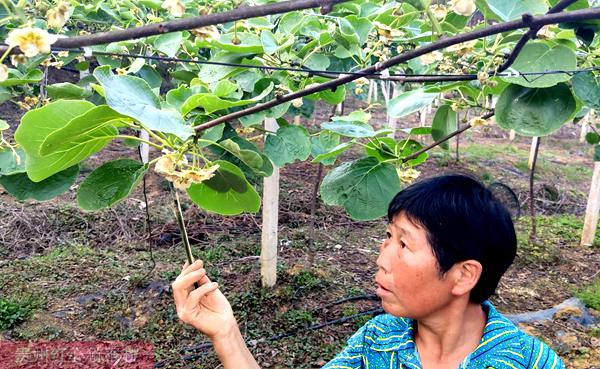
{"x":407,"y":175}
{"x":297,"y":103}
{"x":57,"y":17}
{"x":176,"y":7}
{"x":3,"y":72}
{"x":206,"y":33}
{"x":464,"y":7}
{"x":432,"y":57}
{"x":439,"y":11}
{"x":31,"y":41}
{"x":478,"y":121}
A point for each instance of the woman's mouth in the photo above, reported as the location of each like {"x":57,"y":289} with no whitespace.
{"x":382,"y":291}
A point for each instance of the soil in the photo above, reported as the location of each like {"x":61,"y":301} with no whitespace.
{"x":94,"y":276}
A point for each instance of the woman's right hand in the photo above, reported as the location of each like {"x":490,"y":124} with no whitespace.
{"x":205,"y":308}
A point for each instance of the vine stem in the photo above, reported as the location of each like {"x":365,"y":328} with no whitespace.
{"x":527,"y":21}
{"x":184,"y":236}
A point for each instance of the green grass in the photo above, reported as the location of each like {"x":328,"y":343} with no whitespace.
{"x":590,"y":295}
{"x":14,"y":311}
{"x":554,"y":231}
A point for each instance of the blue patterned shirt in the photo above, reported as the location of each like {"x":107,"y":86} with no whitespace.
{"x":387,"y":342}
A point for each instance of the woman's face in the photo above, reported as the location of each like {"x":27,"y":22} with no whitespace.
{"x":408,"y":279}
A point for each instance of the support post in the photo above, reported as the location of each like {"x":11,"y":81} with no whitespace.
{"x":392,"y":121}
{"x":593,"y":208}
{"x":533,"y":152}
{"x":270,"y":220}
{"x":585,"y":127}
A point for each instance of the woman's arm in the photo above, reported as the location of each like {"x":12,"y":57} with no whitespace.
{"x":207,"y":309}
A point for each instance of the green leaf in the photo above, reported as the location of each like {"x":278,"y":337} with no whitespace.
{"x":586,"y":87}
{"x":323,"y":144}
{"x":12,"y":162}
{"x":291,"y":143}
{"x":362,"y":27}
{"x":67,"y":90}
{"x":95,"y":125}
{"x":249,"y":43}
{"x":249,"y":157}
{"x":21,"y":187}
{"x":133,"y":97}
{"x":382,"y":148}
{"x":210,"y":73}
{"x":36,"y":125}
{"x":269,"y":42}
{"x":592,"y":138}
{"x":227,"y":193}
{"x":328,"y":158}
{"x":509,"y":10}
{"x":445,"y":121}
{"x":211,"y":103}
{"x":317,"y":61}
{"x":3,"y":125}
{"x":224,"y":87}
{"x":169,"y":43}
{"x":535,"y":111}
{"x":213,"y":134}
{"x":364,"y":187}
{"x":409,"y":102}
{"x":539,"y":57}
{"x":596,"y":152}
{"x":350,"y":129}
{"x":109,"y":184}
{"x":17,"y":78}
{"x":5,"y":95}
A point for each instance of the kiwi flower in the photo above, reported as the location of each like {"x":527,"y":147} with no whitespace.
{"x":32,"y":41}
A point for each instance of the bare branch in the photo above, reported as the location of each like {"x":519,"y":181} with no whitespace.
{"x":194,"y":22}
{"x":528,"y":21}
{"x":444,"y":139}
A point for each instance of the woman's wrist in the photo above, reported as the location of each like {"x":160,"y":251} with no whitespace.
{"x":232,"y":350}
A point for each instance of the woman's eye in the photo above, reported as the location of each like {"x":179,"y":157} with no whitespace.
{"x":402,"y":244}
{"x":388,"y":234}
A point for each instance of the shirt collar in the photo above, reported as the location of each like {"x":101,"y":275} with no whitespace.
{"x":389,"y":333}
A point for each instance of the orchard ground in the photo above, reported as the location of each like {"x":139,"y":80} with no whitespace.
{"x":70,"y":275}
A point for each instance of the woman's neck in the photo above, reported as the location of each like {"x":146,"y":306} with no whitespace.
{"x":449,"y":335}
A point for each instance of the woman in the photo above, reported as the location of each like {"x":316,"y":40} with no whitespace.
{"x":449,"y":241}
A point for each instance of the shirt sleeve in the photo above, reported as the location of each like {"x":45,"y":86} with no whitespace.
{"x":543,"y":357}
{"x":352,"y":355}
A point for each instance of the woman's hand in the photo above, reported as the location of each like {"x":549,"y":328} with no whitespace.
{"x":205,"y":308}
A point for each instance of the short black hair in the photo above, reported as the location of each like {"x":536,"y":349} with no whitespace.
{"x":463,"y":221}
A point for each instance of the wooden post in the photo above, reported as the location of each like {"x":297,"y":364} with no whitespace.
{"x":591,"y":211}
{"x":144,"y":148}
{"x":533,"y":152}
{"x":270,"y":220}
{"x":392,"y":121}
{"x":585,"y":125}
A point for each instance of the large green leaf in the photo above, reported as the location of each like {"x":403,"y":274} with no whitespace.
{"x":249,"y":157}
{"x":67,"y":90}
{"x":109,"y":184}
{"x":92,"y":126}
{"x":132,"y":96}
{"x":36,"y":125}
{"x":169,"y":43}
{"x":12,"y":162}
{"x":409,"y":102}
{"x":535,"y":111}
{"x":587,"y":88}
{"x":17,"y":78}
{"x":291,"y":143}
{"x":364,"y":187}
{"x":322,"y":144}
{"x":539,"y":57}
{"x":210,"y":73}
{"x":227,"y":193}
{"x":350,"y":129}
{"x":211,"y":102}
{"x":445,"y":121}
{"x":21,"y":187}
{"x":508,"y":10}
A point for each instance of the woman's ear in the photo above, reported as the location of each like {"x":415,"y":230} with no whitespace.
{"x":465,"y":275}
